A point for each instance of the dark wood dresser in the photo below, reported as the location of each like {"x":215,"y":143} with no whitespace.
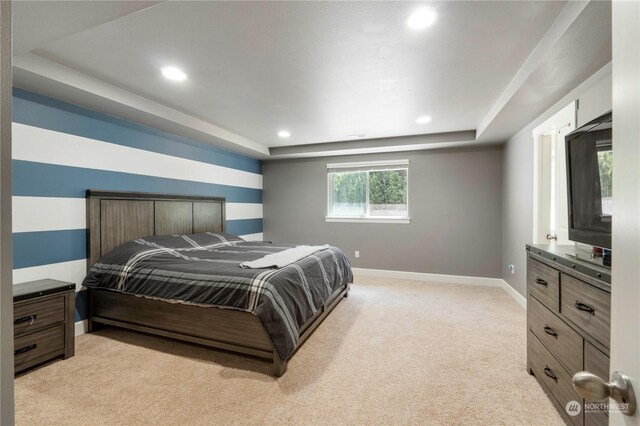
{"x":43,"y":322}
{"x":568,"y":321}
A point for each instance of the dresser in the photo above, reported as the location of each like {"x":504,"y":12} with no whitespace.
{"x":43,"y":322}
{"x":568,"y":326}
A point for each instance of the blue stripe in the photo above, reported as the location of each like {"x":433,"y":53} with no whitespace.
{"x":45,"y":247}
{"x":47,"y":113}
{"x":50,"y":180}
{"x":244,"y":226}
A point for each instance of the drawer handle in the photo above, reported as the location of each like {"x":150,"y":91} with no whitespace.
{"x":549,"y":373}
{"x":585,"y":308}
{"x":541,"y":281}
{"x":550,"y":331}
{"x":30,"y":319}
{"x":26,"y":349}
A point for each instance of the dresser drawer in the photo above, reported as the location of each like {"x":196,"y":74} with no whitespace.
{"x":38,"y":347}
{"x":597,"y":363}
{"x":554,"y":377}
{"x":595,"y":418}
{"x":543,"y":282}
{"x":34,"y":315}
{"x":563,"y":342}
{"x":587,"y":306}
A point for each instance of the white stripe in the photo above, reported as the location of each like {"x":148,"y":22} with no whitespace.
{"x":253,"y":237}
{"x":73,"y":272}
{"x":48,"y":214}
{"x":236,"y":211}
{"x":47,"y":146}
{"x":31,"y":214}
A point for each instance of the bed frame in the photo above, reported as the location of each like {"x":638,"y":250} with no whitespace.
{"x":117,"y":217}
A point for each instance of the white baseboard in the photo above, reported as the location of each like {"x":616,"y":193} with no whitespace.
{"x":441,"y":278}
{"x":522,"y":301}
{"x":81,"y":327}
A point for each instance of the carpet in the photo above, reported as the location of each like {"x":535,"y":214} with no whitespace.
{"x":394,"y":352}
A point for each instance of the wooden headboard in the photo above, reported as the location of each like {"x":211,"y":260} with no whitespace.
{"x":114,"y":218}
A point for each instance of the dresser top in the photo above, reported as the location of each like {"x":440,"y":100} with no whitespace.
{"x":31,"y":289}
{"x":572,"y":258}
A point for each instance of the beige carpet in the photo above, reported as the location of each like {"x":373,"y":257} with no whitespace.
{"x":394,"y":352}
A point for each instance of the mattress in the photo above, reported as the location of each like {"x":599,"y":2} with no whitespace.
{"x":204,"y":269}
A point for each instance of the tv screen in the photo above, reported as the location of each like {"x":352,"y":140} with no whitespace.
{"x":589,"y":182}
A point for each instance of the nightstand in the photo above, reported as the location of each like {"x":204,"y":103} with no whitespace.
{"x":43,"y":322}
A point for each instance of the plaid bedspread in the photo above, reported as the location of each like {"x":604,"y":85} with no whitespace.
{"x":204,"y":269}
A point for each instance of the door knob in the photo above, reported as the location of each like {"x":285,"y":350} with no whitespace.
{"x":552,"y":237}
{"x":595,"y":389}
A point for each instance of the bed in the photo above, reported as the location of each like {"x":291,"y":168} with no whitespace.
{"x":163,"y":264}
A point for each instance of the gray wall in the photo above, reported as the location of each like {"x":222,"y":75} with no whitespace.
{"x":455,"y":204}
{"x":595,"y":100}
{"x":517,"y":213}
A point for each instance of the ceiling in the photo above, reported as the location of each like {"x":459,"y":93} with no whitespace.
{"x":321,"y":70}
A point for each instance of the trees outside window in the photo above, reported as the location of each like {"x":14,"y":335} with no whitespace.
{"x":374,"y":192}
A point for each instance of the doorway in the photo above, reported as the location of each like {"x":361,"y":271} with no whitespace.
{"x":550,"y":178}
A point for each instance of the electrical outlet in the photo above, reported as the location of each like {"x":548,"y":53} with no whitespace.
{"x":357,"y":254}
{"x":512,"y":268}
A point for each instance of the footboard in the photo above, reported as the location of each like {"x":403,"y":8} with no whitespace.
{"x":227,"y":329}
{"x":221,"y":328}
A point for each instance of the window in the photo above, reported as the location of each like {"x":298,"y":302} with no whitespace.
{"x":605,"y":166}
{"x":368,"y":192}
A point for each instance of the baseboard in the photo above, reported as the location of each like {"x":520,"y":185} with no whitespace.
{"x":522,"y":301}
{"x":81,"y":327}
{"x":423,"y":276}
{"x":442,"y":278}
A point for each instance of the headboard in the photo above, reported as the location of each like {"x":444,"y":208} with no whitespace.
{"x":114,"y":218}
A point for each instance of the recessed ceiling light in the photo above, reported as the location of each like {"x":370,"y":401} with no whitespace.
{"x":358,"y":136}
{"x":422,"y":18}
{"x":284,"y":134}
{"x":173,"y":73}
{"x":424,"y":119}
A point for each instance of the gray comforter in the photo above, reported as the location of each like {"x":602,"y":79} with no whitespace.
{"x":205,"y":269}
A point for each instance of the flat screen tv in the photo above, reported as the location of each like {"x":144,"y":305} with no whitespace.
{"x":589,"y":179}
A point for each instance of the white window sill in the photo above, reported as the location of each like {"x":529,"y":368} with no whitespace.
{"x":404,"y":220}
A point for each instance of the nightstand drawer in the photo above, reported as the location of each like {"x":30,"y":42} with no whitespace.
{"x":43,"y":322}
{"x":34,"y":315}
{"x":555,"y":378}
{"x":563,"y":342}
{"x":588,"y":307}
{"x":38,"y":347}
{"x":543,"y":282}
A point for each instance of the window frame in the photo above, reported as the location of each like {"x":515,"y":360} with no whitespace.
{"x":383,"y":165}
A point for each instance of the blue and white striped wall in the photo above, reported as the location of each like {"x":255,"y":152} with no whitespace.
{"x":61,"y":150}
